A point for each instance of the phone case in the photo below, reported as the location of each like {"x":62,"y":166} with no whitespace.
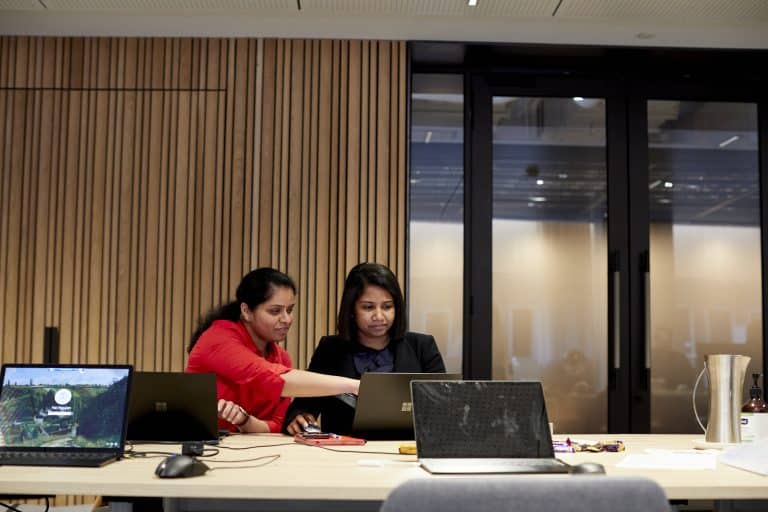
{"x":334,"y":440}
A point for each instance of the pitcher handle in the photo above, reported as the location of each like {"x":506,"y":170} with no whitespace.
{"x":693,"y":395}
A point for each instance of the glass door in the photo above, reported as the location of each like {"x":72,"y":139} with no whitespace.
{"x":703,"y":280}
{"x":549,"y":251}
{"x":612,"y":242}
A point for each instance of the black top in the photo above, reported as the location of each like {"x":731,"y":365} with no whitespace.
{"x":415,"y":353}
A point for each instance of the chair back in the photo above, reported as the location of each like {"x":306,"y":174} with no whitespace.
{"x":583,"y":493}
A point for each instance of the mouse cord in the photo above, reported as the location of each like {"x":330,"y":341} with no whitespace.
{"x":254,"y":446}
{"x":357,"y":451}
{"x":133,"y":454}
{"x":270,"y":460}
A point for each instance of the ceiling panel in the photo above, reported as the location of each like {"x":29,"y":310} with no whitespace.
{"x":265,"y":6}
{"x":484,"y":8}
{"x":658,"y":23}
{"x":20,"y":5}
{"x":709,"y":11}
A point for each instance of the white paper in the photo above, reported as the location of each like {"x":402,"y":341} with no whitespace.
{"x":750,"y":457}
{"x":671,"y":459}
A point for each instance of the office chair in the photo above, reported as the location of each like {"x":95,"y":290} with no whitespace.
{"x":528,"y":494}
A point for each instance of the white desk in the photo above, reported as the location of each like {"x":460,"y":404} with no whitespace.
{"x":305,"y":475}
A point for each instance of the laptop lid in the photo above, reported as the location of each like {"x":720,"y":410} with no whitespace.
{"x":79,"y":408}
{"x":480,"y":419}
{"x":176,"y":407}
{"x":384,"y":404}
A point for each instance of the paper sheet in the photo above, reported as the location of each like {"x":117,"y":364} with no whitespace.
{"x":750,"y":457}
{"x":671,"y":459}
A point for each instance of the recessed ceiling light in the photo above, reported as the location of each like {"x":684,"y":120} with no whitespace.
{"x":562,"y":176}
{"x":539,"y":182}
{"x":538,"y":199}
{"x":428,"y":137}
{"x":668,"y":184}
{"x":730,"y":140}
{"x":472,"y":3}
{"x":578,"y":98}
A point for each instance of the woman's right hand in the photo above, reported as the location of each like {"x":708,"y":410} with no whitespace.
{"x":354,"y":386}
{"x":232,"y":412}
{"x":300,"y":422}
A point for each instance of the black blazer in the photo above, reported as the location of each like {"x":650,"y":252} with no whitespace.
{"x":415,"y":353}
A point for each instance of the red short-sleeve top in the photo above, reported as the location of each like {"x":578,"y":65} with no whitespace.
{"x":244,"y":374}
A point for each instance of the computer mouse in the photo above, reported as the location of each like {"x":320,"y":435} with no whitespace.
{"x":588,"y":468}
{"x":180,"y":466}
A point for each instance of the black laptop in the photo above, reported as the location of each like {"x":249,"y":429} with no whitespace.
{"x":465,"y":427}
{"x":172,"y":407}
{"x":383,"y":409}
{"x":63,"y":415}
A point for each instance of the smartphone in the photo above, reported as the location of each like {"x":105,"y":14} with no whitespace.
{"x":314,"y":435}
{"x":328,"y":440}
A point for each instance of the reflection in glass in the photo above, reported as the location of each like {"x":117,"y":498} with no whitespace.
{"x":550,"y":253}
{"x":436,"y":232}
{"x":704,"y":249}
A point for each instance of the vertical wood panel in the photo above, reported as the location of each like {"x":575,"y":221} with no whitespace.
{"x":141,"y":178}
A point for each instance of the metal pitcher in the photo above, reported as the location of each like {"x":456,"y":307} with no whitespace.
{"x":725,"y":373}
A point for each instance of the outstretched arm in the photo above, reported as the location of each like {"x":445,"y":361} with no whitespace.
{"x":304,"y":383}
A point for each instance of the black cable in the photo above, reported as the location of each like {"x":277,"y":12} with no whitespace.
{"x":276,"y":456}
{"x":131,"y":444}
{"x":213,"y":452}
{"x":272,"y":458}
{"x":148,"y":454}
{"x":11,"y":507}
{"x":355,"y":451}
{"x":254,"y":446}
{"x":47,"y":504}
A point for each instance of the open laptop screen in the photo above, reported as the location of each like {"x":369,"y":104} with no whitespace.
{"x":384,"y":404}
{"x":474,"y":419}
{"x":61,"y":407}
{"x":173,"y":407}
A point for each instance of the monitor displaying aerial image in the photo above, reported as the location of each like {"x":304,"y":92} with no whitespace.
{"x":60,"y":407}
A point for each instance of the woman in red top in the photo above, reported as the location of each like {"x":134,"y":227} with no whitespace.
{"x":239,"y":343}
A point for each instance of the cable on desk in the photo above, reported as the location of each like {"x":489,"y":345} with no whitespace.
{"x":254,"y":446}
{"x":272,"y":458}
{"x":153,"y":442}
{"x":356,"y":451}
{"x":129,"y":454}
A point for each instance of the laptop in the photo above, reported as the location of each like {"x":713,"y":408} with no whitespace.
{"x":383,"y":409}
{"x":63,"y":415}
{"x":465,"y":427}
{"x":172,"y":407}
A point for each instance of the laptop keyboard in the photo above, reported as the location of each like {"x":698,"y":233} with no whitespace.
{"x":34,"y":458}
{"x":491,"y":465}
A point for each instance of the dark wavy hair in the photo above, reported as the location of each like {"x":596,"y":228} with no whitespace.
{"x":362,"y":275}
{"x":256,"y":287}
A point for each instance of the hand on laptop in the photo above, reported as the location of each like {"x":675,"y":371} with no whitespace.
{"x":300,"y":423}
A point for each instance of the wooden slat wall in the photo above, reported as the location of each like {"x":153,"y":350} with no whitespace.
{"x":141,"y":178}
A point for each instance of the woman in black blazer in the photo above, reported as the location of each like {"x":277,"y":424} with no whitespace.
{"x":371,"y":338}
